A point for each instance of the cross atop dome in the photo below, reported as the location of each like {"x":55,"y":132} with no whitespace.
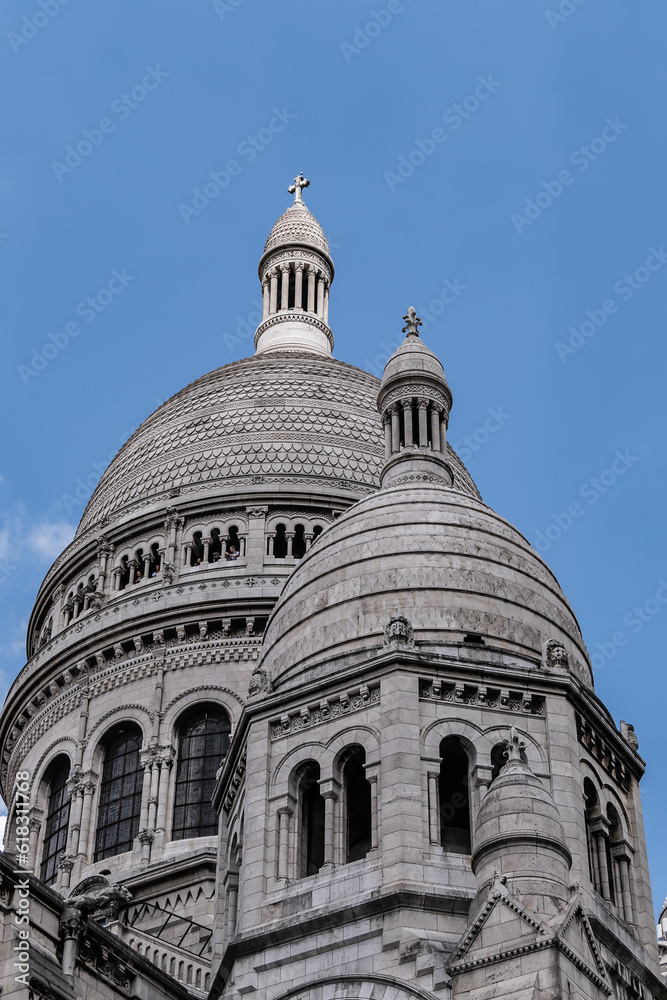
{"x":412,"y":323}
{"x":300,"y":182}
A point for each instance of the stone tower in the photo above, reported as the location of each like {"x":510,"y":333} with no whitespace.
{"x":423,"y":796}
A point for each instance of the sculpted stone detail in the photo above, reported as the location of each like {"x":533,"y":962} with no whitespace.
{"x":259,"y":683}
{"x":330,"y":708}
{"x":399,"y":630}
{"x":417,"y":389}
{"x":462,"y":693}
{"x":555,"y":655}
{"x":629,"y":735}
{"x":235,"y":781}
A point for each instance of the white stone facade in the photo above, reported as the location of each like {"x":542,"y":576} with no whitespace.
{"x":419,"y":793}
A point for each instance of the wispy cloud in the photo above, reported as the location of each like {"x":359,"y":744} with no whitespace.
{"x":48,"y":539}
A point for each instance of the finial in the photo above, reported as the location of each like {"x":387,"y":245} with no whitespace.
{"x":513,"y":748}
{"x":412,"y":322}
{"x":295,"y":189}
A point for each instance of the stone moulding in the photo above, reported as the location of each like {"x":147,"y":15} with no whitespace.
{"x":464,"y":693}
{"x":331,"y":707}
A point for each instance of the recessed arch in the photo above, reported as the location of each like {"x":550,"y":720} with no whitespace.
{"x":119,"y":804}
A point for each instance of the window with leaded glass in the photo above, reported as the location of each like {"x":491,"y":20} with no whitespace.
{"x":120,"y":794}
{"x":203,"y":743}
{"x":57,"y":819}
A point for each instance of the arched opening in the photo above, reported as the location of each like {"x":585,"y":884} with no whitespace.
{"x":203,"y":741}
{"x":280,"y":542}
{"x":357,"y":791}
{"x":233,"y":546}
{"x":317,"y":531}
{"x":197,"y":552}
{"x":311,"y":847}
{"x":56,"y":821}
{"x":124,"y":575}
{"x":299,"y":541}
{"x":120,"y":793}
{"x":454,"y":797}
{"x":155,"y":559}
{"x":615,"y":835}
{"x":592,"y":809}
{"x":215,"y":548}
{"x":139,"y":565}
{"x":292,"y":288}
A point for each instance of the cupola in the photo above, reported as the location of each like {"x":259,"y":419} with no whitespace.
{"x":414,"y":402}
{"x":296,"y":271}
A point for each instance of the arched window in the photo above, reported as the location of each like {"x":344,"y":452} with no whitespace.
{"x":197,"y":554}
{"x":203,"y":742}
{"x":155,"y":559}
{"x":311,"y":852}
{"x":120,"y":793}
{"x":124,"y":574}
{"x":215,"y":548}
{"x":299,"y":542}
{"x":357,"y":805}
{"x":233,"y":546}
{"x":454,"y":796}
{"x":56,"y":820}
{"x":280,"y":542}
{"x":592,"y":809}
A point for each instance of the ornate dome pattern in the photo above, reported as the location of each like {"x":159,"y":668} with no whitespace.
{"x":281,"y":418}
{"x":297,"y":225}
{"x":444,"y":560}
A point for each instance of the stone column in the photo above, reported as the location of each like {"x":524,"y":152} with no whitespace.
{"x":372,"y":772}
{"x":146,"y":762}
{"x":266,"y":298}
{"x":88,"y":792}
{"x":133,"y":564}
{"x":443,"y":433}
{"x":289,"y":535}
{"x":147,"y":566}
{"x":329,"y":790}
{"x":273,"y":295}
{"x":422,"y":407}
{"x":104,"y":550}
{"x":433,"y":808}
{"x":298,"y":286}
{"x":187,"y":552}
{"x":621,"y":857}
{"x":320,"y":295}
{"x":599,"y":831}
{"x":34,"y":826}
{"x":312,"y":277}
{"x":284,"y":286}
{"x":435,"y":429}
{"x":71,"y":924}
{"x":386,"y":423}
{"x":326,"y":304}
{"x":153,"y":797}
{"x":75,"y":788}
{"x":232,"y":903}
{"x":407,"y":422}
{"x":284,"y":824}
{"x":145,"y":838}
{"x":256,"y":539}
{"x":207,"y":546}
{"x":395,"y":428}
{"x":271,"y":540}
{"x":163,"y":792}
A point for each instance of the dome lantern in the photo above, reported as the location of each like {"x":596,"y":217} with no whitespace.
{"x":414,"y":402}
{"x":296,"y":271}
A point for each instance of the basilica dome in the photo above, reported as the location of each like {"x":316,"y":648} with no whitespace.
{"x":297,"y":225}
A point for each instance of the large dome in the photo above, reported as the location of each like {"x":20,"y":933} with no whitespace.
{"x":438,"y":557}
{"x":274,"y":421}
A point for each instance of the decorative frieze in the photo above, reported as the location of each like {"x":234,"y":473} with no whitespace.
{"x":315,"y":714}
{"x":480,"y":694}
{"x":603,"y":752}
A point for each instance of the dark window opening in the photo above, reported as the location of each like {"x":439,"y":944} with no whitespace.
{"x":215,"y":548}
{"x":304,"y":291}
{"x":155,"y":559}
{"x":312,"y":821}
{"x":591,"y":800}
{"x":120,"y":794}
{"x":473,"y":638}
{"x":203,"y":744}
{"x":197,"y":553}
{"x":299,"y":541}
{"x":292,"y":289}
{"x":317,"y":530}
{"x":57,"y":820}
{"x":454,"y":794}
{"x":124,"y":573}
{"x":233,"y":546}
{"x":280,"y":542}
{"x":139,"y":565}
{"x":357,"y":805}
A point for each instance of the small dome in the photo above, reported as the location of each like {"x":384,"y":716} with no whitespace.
{"x":413,"y":356}
{"x":437,"y":556}
{"x":297,"y":225}
{"x":518,"y":829}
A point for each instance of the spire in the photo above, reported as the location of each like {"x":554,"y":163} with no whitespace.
{"x":296,"y":272}
{"x":414,"y":402}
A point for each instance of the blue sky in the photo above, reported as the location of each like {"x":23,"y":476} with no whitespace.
{"x":500,"y":166}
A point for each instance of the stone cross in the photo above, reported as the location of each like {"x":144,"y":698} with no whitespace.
{"x":295,"y":189}
{"x":412,"y":322}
